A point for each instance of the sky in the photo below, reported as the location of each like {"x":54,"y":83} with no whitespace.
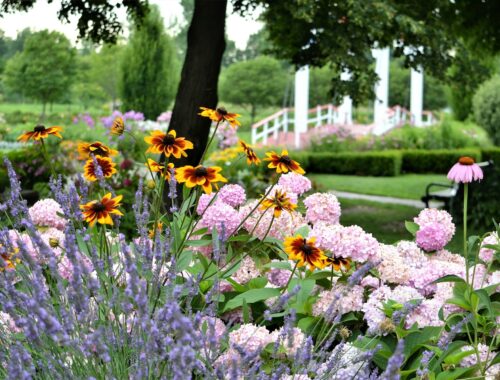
{"x":44,"y":16}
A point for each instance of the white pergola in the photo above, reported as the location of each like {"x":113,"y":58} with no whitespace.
{"x":381,"y":103}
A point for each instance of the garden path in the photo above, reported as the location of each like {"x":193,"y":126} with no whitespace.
{"x":382,"y":199}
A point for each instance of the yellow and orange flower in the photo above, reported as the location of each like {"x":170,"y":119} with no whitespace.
{"x":200,"y":175}
{"x":101,"y":211}
{"x":305,"y":251}
{"x":249,"y":152}
{"x":105,"y":163}
{"x":339,"y":263}
{"x":10,"y":258}
{"x":40,"y":132}
{"x":283,"y":163}
{"x":168,"y":144}
{"x":220,"y":114}
{"x":97,"y":148}
{"x":157,"y":167}
{"x":157,"y":230}
{"x":279,"y":201}
{"x":118,"y":127}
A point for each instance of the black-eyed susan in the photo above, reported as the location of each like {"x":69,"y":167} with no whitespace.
{"x":118,"y":127}
{"x":305,"y":252}
{"x":250,"y":153}
{"x":283,"y":163}
{"x":157,"y":167}
{"x":157,"y":230}
{"x":168,"y":144}
{"x":97,"y":148}
{"x":40,"y":132}
{"x":10,"y":258}
{"x":220,"y":114}
{"x":200,"y":175}
{"x":101,"y":211}
{"x":106,"y":165}
{"x":280,"y":201}
{"x":339,"y":263}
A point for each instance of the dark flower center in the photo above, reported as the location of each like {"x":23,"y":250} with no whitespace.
{"x":307,"y":249}
{"x":168,"y":139}
{"x":201,"y":172}
{"x":286,"y":160}
{"x":98,"y":151}
{"x":466,"y":161}
{"x":98,"y":207}
{"x":222,"y":111}
{"x":39,"y":128}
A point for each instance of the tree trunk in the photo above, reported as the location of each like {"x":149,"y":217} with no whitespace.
{"x":199,"y":76}
{"x":253,"y":113}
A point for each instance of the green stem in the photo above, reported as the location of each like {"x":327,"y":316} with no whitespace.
{"x":466,"y":255}
{"x":209,"y":143}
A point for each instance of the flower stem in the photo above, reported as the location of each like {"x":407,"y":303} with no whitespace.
{"x":466,"y":255}
{"x":209,"y":143}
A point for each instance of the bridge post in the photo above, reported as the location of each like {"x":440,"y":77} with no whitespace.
{"x":417,"y":96}
{"x":301,"y":103}
{"x":345,"y":108}
{"x":381,"y":103}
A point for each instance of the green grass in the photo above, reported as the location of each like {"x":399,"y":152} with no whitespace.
{"x":36,"y":108}
{"x":409,"y":186}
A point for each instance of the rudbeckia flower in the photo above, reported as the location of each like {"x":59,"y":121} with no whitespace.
{"x":118,"y":127}
{"x":106,"y":165}
{"x":10,"y":258}
{"x":157,"y":167}
{"x":40,"y":132}
{"x":101,"y":211}
{"x":168,"y":143}
{"x":465,"y":171}
{"x":249,"y":152}
{"x":305,"y":251}
{"x":283,"y":163}
{"x":200,"y":175}
{"x":279,"y":201}
{"x":220,"y":114}
{"x":95,"y":149}
{"x":157,"y":230}
{"x":339,"y":263}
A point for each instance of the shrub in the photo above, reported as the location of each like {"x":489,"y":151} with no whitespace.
{"x":486,"y":103}
{"x":368,"y":163}
{"x":434,"y":161}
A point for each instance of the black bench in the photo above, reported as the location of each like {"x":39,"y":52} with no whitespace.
{"x":447,"y":192}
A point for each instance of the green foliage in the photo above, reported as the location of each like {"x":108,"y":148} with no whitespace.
{"x":255,"y":83}
{"x":44,"y":70}
{"x":319,"y":85}
{"x":149,"y":68}
{"x":434,"y":161}
{"x":486,"y":105}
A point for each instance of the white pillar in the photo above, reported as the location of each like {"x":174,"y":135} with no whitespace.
{"x":345,"y":108}
{"x":417,"y":96}
{"x":381,"y":103}
{"x":301,"y":102}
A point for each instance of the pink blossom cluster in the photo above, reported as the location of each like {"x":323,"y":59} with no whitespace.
{"x":340,"y":299}
{"x":227,"y":136}
{"x":487,"y":254}
{"x":221,"y":216}
{"x":250,"y":337}
{"x":436,"y":229}
{"x":46,"y":213}
{"x":290,"y":341}
{"x":322,"y":207}
{"x":295,"y":183}
{"x":278,"y":277}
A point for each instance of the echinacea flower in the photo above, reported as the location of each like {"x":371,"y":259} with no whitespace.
{"x":465,"y":171}
{"x":97,"y":148}
{"x":118,"y":127}
{"x":220,"y":114}
{"x":200,"y":175}
{"x":280,"y":201}
{"x":10,"y":258}
{"x":106,"y":165}
{"x":305,"y":251}
{"x":168,"y":144}
{"x":339,"y":263}
{"x":157,"y":167}
{"x":250,"y":153}
{"x":283,"y":163}
{"x":40,"y":132}
{"x":101,"y":211}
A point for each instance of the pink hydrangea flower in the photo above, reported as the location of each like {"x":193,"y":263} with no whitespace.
{"x":291,"y":342}
{"x":392,"y":266}
{"x":340,"y":299}
{"x":441,"y":231}
{"x":278,"y":277}
{"x":370,"y":282}
{"x":246,"y":271}
{"x":272,"y":192}
{"x":250,"y":337}
{"x":426,"y":314}
{"x":45,"y":213}
{"x":203,"y":202}
{"x":432,"y":237}
{"x":414,"y":257}
{"x":296,"y":183}
{"x":65,"y":266}
{"x":486,"y":254}
{"x":423,"y":278}
{"x":233,"y":195}
{"x":323,"y":207}
{"x":465,"y":171}
{"x":221,"y":216}
{"x":214,"y":328}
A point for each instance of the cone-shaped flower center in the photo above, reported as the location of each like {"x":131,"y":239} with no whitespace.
{"x":285,"y":159}
{"x":98,"y":207}
{"x":466,"y":161}
{"x":39,"y":128}
{"x":222,"y":111}
{"x":307,"y":249}
{"x":201,"y":171}
{"x":169,"y":139}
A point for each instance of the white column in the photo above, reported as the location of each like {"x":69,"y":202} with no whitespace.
{"x":345,"y":108}
{"x":381,"y":103}
{"x":301,"y":102}
{"x":417,"y":96}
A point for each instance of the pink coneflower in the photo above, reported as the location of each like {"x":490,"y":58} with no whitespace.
{"x":465,"y":171}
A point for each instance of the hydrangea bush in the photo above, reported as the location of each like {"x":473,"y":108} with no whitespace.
{"x":214,"y":285}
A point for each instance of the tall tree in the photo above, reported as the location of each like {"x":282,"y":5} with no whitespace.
{"x":105,"y":70}
{"x":149,"y":68}
{"x":44,"y":70}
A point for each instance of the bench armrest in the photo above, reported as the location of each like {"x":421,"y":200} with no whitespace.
{"x":428,"y":188}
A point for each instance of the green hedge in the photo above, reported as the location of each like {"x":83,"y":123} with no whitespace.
{"x":434,"y":161}
{"x":386,"y":163}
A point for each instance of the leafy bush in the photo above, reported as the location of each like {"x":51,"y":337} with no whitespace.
{"x":434,"y":161}
{"x":486,"y":103}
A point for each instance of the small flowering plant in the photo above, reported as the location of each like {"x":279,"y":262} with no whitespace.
{"x":215,"y":285}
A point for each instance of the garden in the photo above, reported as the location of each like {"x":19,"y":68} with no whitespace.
{"x":144,"y":236}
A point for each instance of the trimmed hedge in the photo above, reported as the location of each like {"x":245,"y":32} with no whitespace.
{"x":386,"y":163}
{"x":434,"y":161}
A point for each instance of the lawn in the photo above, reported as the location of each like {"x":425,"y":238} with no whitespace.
{"x":409,"y":186}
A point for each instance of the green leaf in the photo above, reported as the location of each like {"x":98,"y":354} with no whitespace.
{"x":251,"y":296}
{"x":303,"y":231}
{"x":449,"y":278}
{"x":198,"y":243}
{"x":485,"y":301}
{"x":457,"y":357}
{"x":416,"y":340}
{"x":257,"y":283}
{"x":184,"y":260}
{"x":453,"y":374}
{"x":246,"y":312}
{"x":412,"y":227}
{"x":278,"y":265}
